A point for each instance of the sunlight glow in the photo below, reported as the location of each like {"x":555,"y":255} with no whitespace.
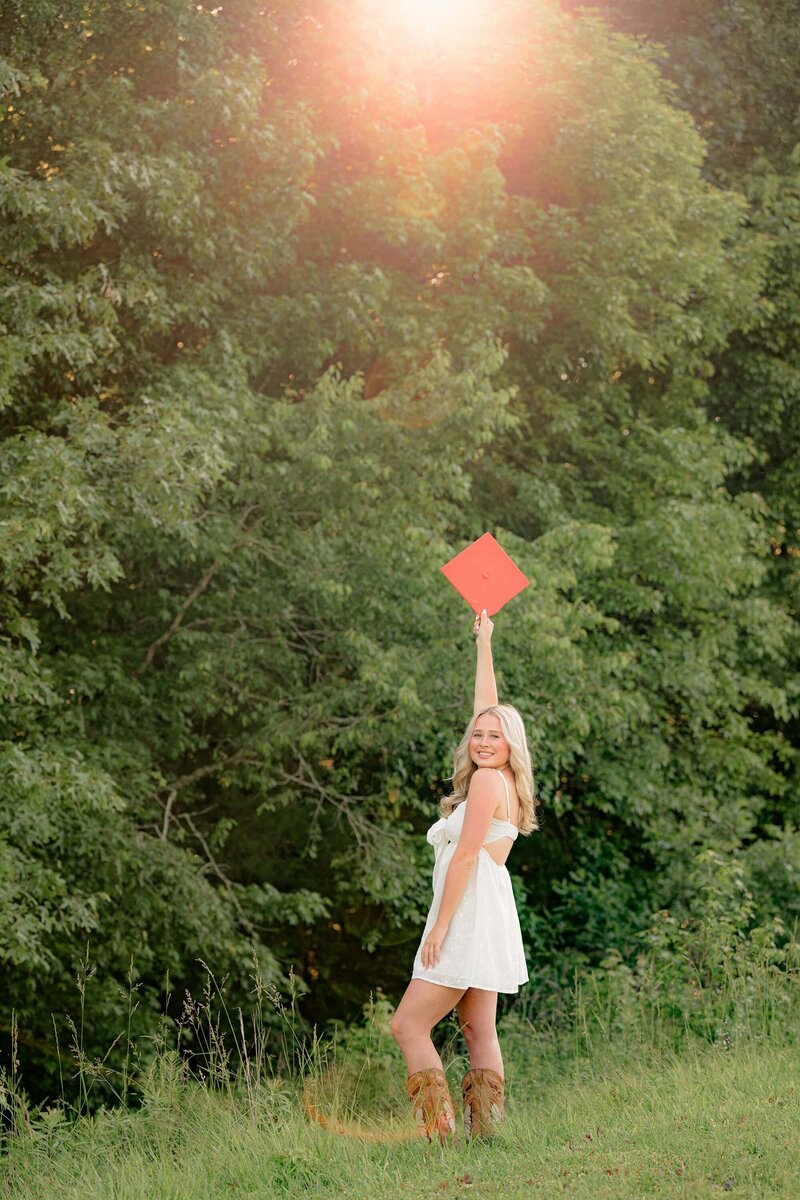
{"x":428,"y":17}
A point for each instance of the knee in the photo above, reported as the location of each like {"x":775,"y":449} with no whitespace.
{"x":402,"y":1029}
{"x":397,"y":1027}
{"x":478,"y":1035}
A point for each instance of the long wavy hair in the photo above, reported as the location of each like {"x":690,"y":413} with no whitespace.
{"x":519,"y":760}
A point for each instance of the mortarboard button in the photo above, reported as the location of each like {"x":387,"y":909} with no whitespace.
{"x":485,"y":575}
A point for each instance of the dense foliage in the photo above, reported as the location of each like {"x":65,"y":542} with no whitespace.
{"x":297,"y":301}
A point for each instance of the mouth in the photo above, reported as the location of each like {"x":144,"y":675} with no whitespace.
{"x":485,"y":754}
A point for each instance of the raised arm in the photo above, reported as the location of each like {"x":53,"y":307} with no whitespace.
{"x":485,"y":686}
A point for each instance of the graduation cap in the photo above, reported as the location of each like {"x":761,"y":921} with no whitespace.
{"x":484,"y":575}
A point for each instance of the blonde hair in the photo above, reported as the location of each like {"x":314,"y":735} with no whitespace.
{"x":519,"y":760}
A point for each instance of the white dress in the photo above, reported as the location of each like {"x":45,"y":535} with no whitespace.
{"x":483,"y":944}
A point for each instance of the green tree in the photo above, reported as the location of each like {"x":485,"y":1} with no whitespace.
{"x":734,"y":69}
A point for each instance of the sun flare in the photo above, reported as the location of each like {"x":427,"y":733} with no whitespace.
{"x":435,"y":16}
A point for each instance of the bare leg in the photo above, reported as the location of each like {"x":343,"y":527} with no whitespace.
{"x":477,"y":1013}
{"x":423,"y":1006}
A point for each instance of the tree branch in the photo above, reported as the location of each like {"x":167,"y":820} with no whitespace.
{"x":364,"y":831}
{"x":218,"y":871}
{"x":196,"y":591}
{"x":184,"y":781}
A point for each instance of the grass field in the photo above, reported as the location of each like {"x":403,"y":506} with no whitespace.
{"x":613,"y":1120}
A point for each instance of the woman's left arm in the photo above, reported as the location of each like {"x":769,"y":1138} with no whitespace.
{"x":481,"y":803}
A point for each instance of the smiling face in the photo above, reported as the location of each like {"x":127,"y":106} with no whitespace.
{"x":487,"y":745}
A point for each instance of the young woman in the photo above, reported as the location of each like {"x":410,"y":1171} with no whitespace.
{"x":471,"y":946}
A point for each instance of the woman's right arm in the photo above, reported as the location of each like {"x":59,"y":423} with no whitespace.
{"x":485,"y":685}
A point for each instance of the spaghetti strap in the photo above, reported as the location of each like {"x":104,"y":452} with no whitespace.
{"x":508,"y":801}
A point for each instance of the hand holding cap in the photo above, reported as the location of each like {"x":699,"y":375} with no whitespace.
{"x":484,"y":625}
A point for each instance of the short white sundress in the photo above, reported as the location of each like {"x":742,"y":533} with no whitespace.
{"x":483,"y":944}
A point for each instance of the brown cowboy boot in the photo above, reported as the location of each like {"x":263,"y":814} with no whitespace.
{"x":430,"y":1100}
{"x":483,"y":1091}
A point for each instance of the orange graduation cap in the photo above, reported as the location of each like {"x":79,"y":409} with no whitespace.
{"x":484,"y":575}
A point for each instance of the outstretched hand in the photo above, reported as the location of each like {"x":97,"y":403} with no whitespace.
{"x":483,"y":627}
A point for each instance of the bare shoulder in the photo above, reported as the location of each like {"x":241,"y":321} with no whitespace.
{"x":485,"y":781}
